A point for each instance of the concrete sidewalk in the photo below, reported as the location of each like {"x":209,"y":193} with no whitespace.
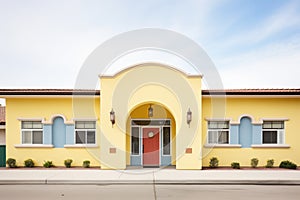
{"x":149,"y":176}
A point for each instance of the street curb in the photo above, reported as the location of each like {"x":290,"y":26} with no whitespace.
{"x":150,"y":182}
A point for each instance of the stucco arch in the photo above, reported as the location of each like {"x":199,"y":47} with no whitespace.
{"x":152,"y":83}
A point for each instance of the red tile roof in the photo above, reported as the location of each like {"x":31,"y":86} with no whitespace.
{"x":41,"y":92}
{"x":252,"y":92}
{"x":11,"y":92}
{"x":2,"y":115}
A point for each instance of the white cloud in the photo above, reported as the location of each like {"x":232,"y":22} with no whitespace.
{"x":274,"y":66}
{"x":281,"y":20}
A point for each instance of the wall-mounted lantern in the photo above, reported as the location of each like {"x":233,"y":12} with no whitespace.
{"x":189,"y":117}
{"x":112,"y":117}
{"x":150,"y":111}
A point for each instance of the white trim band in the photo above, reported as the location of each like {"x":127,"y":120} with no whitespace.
{"x":34,"y":145}
{"x":81,"y":146}
{"x":270,"y":146}
{"x":222,"y":146}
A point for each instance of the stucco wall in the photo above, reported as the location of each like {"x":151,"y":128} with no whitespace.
{"x":257,"y":109}
{"x":46,"y":109}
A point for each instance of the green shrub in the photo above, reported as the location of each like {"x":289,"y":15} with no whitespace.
{"x":235,"y":165}
{"x":48,"y":164}
{"x":254,"y":162}
{"x":288,"y":165}
{"x":11,"y":162}
{"x":214,"y":162}
{"x":29,"y":163}
{"x":86,"y":164}
{"x":270,"y":163}
{"x":68,"y":163}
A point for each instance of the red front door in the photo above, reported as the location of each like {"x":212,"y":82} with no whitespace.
{"x":151,"y":146}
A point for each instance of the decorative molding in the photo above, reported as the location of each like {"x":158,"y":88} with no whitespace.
{"x":274,"y":119}
{"x":85,"y":119}
{"x":33,"y":145}
{"x":270,"y":146}
{"x":31,"y":119}
{"x":218,"y":119}
{"x":222,"y":146}
{"x":81,"y":146}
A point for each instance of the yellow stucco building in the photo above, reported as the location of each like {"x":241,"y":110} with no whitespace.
{"x":152,"y":115}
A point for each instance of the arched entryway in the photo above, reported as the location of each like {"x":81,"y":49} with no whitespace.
{"x":150,"y":140}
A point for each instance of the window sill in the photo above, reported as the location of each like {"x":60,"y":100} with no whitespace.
{"x":33,"y":145}
{"x":81,"y":146}
{"x":222,"y":146}
{"x":270,"y":146}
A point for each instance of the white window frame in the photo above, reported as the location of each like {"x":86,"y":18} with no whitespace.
{"x":218,"y":131}
{"x":31,"y":130}
{"x":280,"y":133}
{"x":162,"y":139}
{"x":85,"y":130}
{"x":139,"y":154}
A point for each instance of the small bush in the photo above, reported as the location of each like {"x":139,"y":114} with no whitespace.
{"x":48,"y":164}
{"x":11,"y":162}
{"x":29,"y":163}
{"x":288,"y":165}
{"x":270,"y":163}
{"x":68,"y":163}
{"x":254,"y":162}
{"x":235,"y":165}
{"x":86,"y":164}
{"x":214,"y":162}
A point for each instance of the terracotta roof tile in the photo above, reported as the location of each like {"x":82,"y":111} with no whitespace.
{"x":252,"y":92}
{"x":9,"y":92}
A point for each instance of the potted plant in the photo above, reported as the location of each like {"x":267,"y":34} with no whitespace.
{"x":68,"y":163}
{"x":29,"y":163}
{"x":11,"y":162}
{"x":86,"y":164}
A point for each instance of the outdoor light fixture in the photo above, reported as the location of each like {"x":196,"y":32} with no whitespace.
{"x":150,"y":111}
{"x":189,"y":117}
{"x":112,"y":117}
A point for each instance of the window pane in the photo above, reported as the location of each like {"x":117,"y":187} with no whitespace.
{"x":223,"y":125}
{"x":91,"y":139}
{"x":277,"y":125}
{"x":270,"y":137}
{"x":26,"y":125}
{"x":37,"y":137}
{"x":223,"y":137}
{"x":212,"y":137}
{"x":79,"y":125}
{"x":135,"y":141}
{"x":218,"y":125}
{"x":80,"y":137}
{"x":26,"y":137}
{"x":166,"y":141}
{"x":37,"y":125}
{"x":212,"y":125}
{"x":267,"y":125}
{"x":89,"y":125}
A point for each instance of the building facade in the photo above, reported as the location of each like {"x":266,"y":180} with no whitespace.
{"x":152,"y":115}
{"x":2,"y":137}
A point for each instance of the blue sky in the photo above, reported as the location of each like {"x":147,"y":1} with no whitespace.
{"x":253,"y":43}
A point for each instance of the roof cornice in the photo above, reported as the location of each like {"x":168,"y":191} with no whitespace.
{"x":47,"y":92}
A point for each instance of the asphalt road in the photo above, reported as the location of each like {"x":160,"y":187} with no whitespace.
{"x":145,"y":192}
